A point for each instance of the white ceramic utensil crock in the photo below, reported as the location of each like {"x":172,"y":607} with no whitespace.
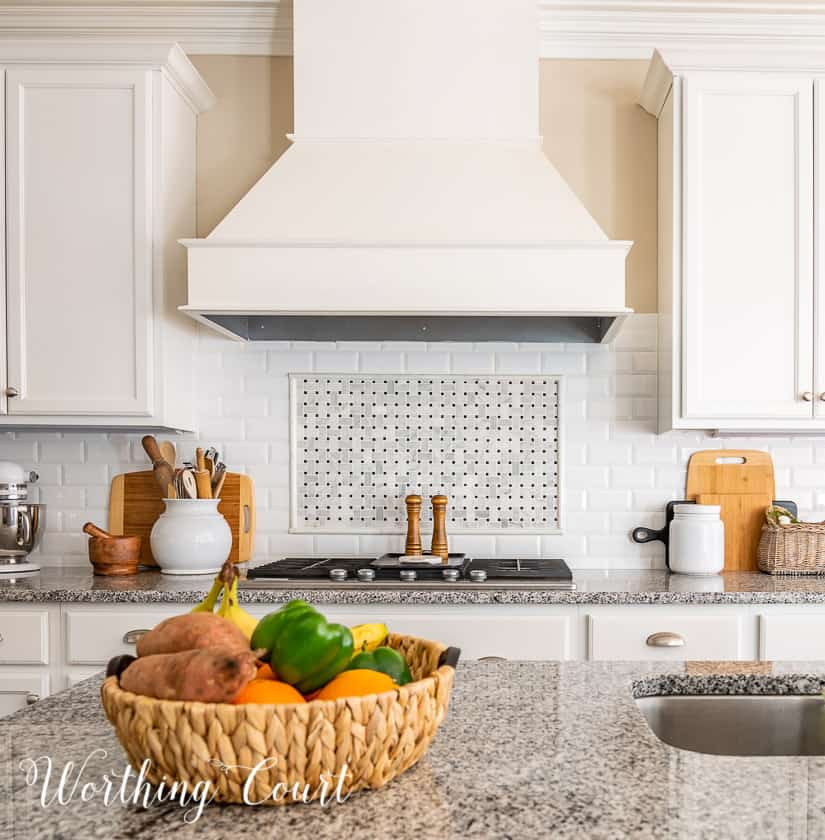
{"x":191,"y":537}
{"x":697,"y":540}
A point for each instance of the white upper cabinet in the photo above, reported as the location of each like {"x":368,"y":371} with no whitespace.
{"x":740,"y":341}
{"x":79,"y":241}
{"x":100,"y":183}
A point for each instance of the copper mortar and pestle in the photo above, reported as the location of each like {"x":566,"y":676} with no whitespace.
{"x":110,"y":554}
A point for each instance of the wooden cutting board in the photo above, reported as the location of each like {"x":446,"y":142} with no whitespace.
{"x":135,"y":504}
{"x":741,"y":481}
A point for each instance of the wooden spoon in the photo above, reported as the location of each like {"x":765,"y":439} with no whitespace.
{"x":168,"y":451}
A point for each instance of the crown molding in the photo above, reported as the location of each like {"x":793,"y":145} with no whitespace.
{"x":569,"y":28}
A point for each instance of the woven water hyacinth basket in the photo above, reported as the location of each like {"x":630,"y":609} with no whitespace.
{"x":794,"y":549}
{"x":375,"y":737}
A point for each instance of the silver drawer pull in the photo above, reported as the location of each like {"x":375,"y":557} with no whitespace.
{"x":131,"y":637}
{"x":492,"y":658}
{"x":31,"y":697}
{"x":665,"y":640}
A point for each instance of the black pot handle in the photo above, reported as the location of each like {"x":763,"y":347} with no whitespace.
{"x":646,"y":535}
{"x":450,"y":657}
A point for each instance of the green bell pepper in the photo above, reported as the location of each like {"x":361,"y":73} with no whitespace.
{"x":304,"y":649}
{"x":387,"y":661}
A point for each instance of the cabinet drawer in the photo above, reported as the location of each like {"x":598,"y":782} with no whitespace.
{"x":18,"y":690}
{"x":94,"y":637}
{"x":540,"y":637}
{"x":24,"y":637}
{"x":792,"y":637}
{"x":634,"y":637}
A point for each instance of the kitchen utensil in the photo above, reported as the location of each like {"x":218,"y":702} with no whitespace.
{"x":203,"y":484}
{"x":697,"y":540}
{"x":112,"y":555}
{"x":374,"y":740}
{"x":135,"y":503}
{"x":185,"y":486}
{"x":439,"y":541}
{"x":163,"y":470}
{"x":190,"y":537}
{"x":741,"y":482}
{"x":218,"y":486}
{"x":169,"y":452}
{"x":644,"y":535}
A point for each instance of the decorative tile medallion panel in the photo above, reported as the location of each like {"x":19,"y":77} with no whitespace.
{"x":361,"y":443}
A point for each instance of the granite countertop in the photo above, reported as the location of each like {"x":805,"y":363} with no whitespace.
{"x":527,"y":750}
{"x":77,"y":584}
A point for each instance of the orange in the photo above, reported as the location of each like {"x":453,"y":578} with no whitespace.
{"x":355,"y":683}
{"x":268,"y":691}
{"x":265,"y":672}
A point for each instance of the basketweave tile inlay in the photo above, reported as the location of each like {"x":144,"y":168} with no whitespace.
{"x":361,"y":443}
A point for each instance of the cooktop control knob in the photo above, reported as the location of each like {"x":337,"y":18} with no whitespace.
{"x":450,"y":575}
{"x":478,"y":575}
{"x":338,"y":575}
{"x":407,"y":575}
{"x":366,"y":575}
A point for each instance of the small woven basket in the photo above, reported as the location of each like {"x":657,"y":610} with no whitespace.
{"x":795,"y":549}
{"x":377,"y":736}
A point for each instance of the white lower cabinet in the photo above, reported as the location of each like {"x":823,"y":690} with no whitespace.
{"x":664,"y":636}
{"x":799,"y":636}
{"x":53,"y":646}
{"x":480,"y":632}
{"x":19,"y":689}
{"x":94,"y":636}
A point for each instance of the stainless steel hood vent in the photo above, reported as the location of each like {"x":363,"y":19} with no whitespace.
{"x":415,"y":201}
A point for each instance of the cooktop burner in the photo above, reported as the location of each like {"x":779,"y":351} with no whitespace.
{"x":459,"y":567}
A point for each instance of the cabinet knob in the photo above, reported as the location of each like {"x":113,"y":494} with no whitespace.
{"x":665,"y":640}
{"x":807,"y":396}
{"x":32,"y":698}
{"x":131,"y":637}
{"x":11,"y":392}
{"x":822,"y":396}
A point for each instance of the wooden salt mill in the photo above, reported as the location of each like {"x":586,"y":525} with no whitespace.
{"x":413,"y":546}
{"x":439,"y":545}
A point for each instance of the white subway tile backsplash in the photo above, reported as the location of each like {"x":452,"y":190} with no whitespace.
{"x":72,"y":450}
{"x":616,"y":471}
{"x":464,"y":362}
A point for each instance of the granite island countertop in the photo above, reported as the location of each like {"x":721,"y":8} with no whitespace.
{"x":77,"y":584}
{"x":528,"y":750}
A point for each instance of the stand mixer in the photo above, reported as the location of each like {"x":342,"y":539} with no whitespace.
{"x":21,"y":521}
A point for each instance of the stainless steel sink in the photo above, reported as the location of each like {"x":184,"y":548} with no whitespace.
{"x":739,"y":725}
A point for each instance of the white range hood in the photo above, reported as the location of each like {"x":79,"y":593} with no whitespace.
{"x":415,"y":200}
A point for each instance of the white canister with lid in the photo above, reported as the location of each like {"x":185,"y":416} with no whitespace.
{"x":696,"y":540}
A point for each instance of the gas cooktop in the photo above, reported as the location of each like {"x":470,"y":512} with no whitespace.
{"x":549,"y":572}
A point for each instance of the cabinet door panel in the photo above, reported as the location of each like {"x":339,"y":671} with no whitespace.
{"x":748,"y":246}
{"x":3,"y":368}
{"x":819,"y":260}
{"x":79,"y":244}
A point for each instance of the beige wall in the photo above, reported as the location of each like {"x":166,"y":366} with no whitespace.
{"x":594,"y":132}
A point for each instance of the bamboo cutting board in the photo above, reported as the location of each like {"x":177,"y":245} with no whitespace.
{"x":741,"y":481}
{"x":135,"y":503}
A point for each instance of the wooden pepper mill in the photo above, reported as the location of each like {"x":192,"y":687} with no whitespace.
{"x":413,"y":546}
{"x":439,"y":545}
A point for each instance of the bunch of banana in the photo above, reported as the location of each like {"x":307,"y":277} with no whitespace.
{"x":367,"y":637}
{"x":226,"y":584}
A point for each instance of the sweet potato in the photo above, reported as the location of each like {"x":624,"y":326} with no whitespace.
{"x":190,"y":632}
{"x":208,"y":675}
